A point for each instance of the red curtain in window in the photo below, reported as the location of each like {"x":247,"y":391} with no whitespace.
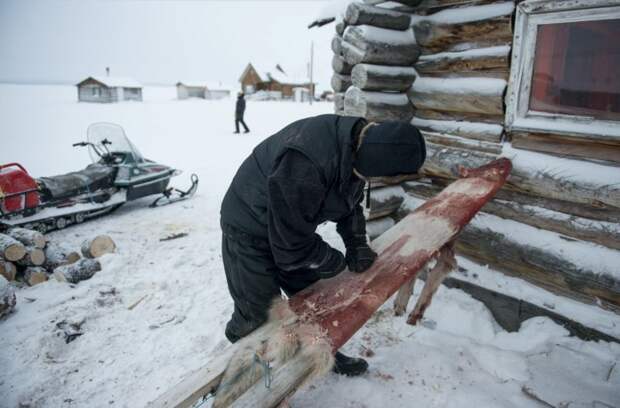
{"x":576,"y":69}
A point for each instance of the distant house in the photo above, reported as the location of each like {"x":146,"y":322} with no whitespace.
{"x":275,"y":81}
{"x":198,"y":89}
{"x":109,"y":89}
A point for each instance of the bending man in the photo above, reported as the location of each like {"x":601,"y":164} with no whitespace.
{"x":310,"y":172}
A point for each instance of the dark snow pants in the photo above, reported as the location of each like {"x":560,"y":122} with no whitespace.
{"x":239,"y":119}
{"x":254,"y":280}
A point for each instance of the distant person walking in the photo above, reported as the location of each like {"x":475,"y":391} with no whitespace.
{"x":239,"y":111}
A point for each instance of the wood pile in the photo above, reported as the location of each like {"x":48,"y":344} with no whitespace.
{"x":27,"y":256}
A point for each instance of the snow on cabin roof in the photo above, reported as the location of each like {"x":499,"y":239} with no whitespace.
{"x":193,"y":84}
{"x":115,"y":82}
{"x":283,"y":78}
{"x":277,"y":74}
{"x":211,"y":85}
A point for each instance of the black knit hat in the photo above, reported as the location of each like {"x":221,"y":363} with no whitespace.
{"x":390,"y":149}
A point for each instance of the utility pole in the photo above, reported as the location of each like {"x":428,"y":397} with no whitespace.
{"x":311,"y":71}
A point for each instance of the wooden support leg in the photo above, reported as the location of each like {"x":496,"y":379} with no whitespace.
{"x":446,"y":262}
{"x":402,"y":297}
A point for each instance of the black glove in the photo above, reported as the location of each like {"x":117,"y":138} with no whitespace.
{"x":333,"y":263}
{"x":360,"y":258}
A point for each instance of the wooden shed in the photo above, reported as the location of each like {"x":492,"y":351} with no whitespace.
{"x":535,"y":81}
{"x":276,"y":82}
{"x":109,"y":89}
{"x":202,"y":89}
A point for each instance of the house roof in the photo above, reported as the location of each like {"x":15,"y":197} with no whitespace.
{"x":277,"y":74}
{"x":115,"y":82}
{"x":211,"y":85}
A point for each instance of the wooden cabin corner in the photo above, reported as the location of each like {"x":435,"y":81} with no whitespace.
{"x":534,"y":81}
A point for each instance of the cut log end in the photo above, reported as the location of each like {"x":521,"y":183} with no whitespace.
{"x":34,"y":257}
{"x":98,"y":246}
{"x":8,"y":270}
{"x":11,"y":249}
{"x":35,"y":274}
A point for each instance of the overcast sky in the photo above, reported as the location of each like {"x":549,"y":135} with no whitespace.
{"x":159,"y":41}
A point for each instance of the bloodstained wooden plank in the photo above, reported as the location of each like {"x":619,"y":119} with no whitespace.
{"x":342,"y":305}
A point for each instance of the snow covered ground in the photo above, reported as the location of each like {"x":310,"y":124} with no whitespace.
{"x":158,"y":308}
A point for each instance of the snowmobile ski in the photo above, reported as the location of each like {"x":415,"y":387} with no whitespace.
{"x":172,"y":195}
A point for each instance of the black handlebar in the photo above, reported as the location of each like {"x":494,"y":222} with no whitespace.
{"x":79,"y":144}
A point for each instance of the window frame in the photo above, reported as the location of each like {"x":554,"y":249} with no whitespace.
{"x":519,"y":116}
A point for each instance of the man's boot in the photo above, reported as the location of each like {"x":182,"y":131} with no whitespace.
{"x":350,"y":366}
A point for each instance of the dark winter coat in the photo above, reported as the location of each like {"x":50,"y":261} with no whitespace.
{"x":240,"y":107}
{"x":295,"y":180}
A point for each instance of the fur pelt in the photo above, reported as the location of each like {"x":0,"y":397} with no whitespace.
{"x":277,"y":341}
{"x":446,"y":262}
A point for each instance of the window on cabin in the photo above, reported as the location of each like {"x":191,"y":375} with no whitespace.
{"x":564,"y":75}
{"x":96,"y":92}
{"x":577,"y":69}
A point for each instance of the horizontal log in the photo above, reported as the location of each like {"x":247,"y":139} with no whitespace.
{"x":493,"y":59}
{"x":364,"y":14}
{"x":568,"y":146}
{"x":600,"y":232}
{"x":337,"y":45}
{"x":374,"y":45}
{"x":410,"y":3}
{"x":503,"y":75}
{"x":479,"y":131}
{"x":459,"y":116}
{"x":393,"y":180}
{"x":474,"y":95}
{"x":427,"y":6}
{"x":539,"y":266}
{"x":340,"y":83}
{"x":33,"y":275}
{"x":442,"y":161}
{"x":78,"y":271}
{"x":577,"y":211}
{"x":7,"y":297}
{"x":385,"y":201}
{"x":370,"y":77}
{"x":340,"y":66}
{"x":28,"y":237}
{"x":377,"y":106}
{"x":8,"y":270}
{"x":376,"y":227}
{"x":34,"y":257}
{"x":435,"y":37}
{"x":56,"y":256}
{"x":11,"y":249}
{"x":462,"y":143}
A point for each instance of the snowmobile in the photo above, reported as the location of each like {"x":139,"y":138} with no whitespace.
{"x":118,"y":174}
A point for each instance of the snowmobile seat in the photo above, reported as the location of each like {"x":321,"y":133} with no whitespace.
{"x":94,"y":177}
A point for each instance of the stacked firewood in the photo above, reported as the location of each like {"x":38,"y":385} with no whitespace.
{"x":374,"y":52}
{"x":27,"y":256}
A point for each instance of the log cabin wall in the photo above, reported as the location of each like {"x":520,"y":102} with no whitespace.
{"x":445,"y":66}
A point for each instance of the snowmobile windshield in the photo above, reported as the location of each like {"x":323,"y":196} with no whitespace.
{"x":109,"y":137}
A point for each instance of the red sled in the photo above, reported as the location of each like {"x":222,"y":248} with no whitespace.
{"x":298,"y":341}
